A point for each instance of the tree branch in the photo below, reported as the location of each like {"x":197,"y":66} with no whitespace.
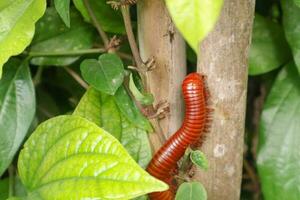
{"x":134,"y":48}
{"x":97,"y":24}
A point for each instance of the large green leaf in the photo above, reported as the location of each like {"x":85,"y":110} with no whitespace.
{"x":17,"y":108}
{"x":63,"y":9}
{"x":105,"y":74}
{"x":191,"y":191}
{"x":93,"y":106}
{"x":269,"y":49}
{"x":291,"y":18}
{"x":17,"y":19}
{"x":52,"y":36}
{"x":109,"y":19}
{"x":69,"y":157}
{"x":194,"y":18}
{"x":278,"y":156}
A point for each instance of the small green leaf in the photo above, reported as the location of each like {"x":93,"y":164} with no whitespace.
{"x":52,"y":36}
{"x":134,"y":139}
{"x":199,"y":159}
{"x":191,"y":191}
{"x":17,"y":26}
{"x":17,"y":108}
{"x":78,"y":160}
{"x":278,"y":154}
{"x":194,"y":18}
{"x":269,"y":49}
{"x":105,"y":74}
{"x":145,"y":99}
{"x":111,"y":20}
{"x":63,"y":9}
{"x":130,"y":110}
{"x":291,"y":18}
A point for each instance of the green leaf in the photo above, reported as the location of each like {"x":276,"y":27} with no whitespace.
{"x":143,"y":98}
{"x":18,"y":188}
{"x":297,"y":2}
{"x":194,"y":18}
{"x":134,"y":139}
{"x":63,"y":9}
{"x":130,"y":110}
{"x":17,"y":26}
{"x":52,"y":36}
{"x":199,"y":159}
{"x":105,"y":74}
{"x":4,"y":187}
{"x":291,"y":18}
{"x":17,"y":108}
{"x":69,"y":157}
{"x":269,"y":49}
{"x":136,"y":142}
{"x":102,"y":110}
{"x":110,"y":20}
{"x":191,"y":191}
{"x":278,"y":156}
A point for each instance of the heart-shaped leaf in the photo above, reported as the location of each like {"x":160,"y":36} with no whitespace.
{"x":105,"y":74}
{"x":291,"y":18}
{"x":269,"y":49}
{"x":17,"y":108}
{"x":134,"y":139}
{"x":194,"y":18}
{"x":53,"y":37}
{"x":17,"y":25}
{"x":78,"y":160}
{"x":63,"y":9}
{"x":278,"y":155}
{"x":191,"y":191}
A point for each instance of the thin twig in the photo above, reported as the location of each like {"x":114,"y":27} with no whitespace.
{"x":38,"y":76}
{"x":77,"y":77}
{"x":66,"y":53}
{"x":134,"y":48}
{"x":11,"y":180}
{"x":97,"y":24}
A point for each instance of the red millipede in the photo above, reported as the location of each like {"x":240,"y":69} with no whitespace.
{"x":194,"y":125}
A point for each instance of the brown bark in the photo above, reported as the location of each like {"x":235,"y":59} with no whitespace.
{"x":223,"y":59}
{"x":158,"y":38}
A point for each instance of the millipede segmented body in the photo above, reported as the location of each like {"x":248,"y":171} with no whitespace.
{"x":194,"y":125}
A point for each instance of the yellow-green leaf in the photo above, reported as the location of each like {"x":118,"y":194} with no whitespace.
{"x":194,"y":18}
{"x":69,"y":157}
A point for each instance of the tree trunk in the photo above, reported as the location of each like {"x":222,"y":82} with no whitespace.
{"x":223,"y":58}
{"x":159,"y":38}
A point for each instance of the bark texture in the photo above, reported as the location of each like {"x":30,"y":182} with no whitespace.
{"x":223,"y":58}
{"x":159,"y":38}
